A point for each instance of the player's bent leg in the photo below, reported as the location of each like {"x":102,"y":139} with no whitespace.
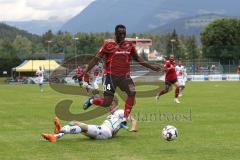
{"x":128,"y":86}
{"x":129,"y":103}
{"x":69,"y":129}
{"x":83,"y":126}
{"x":57,"y":124}
{"x":164,"y":91}
{"x":104,"y":102}
{"x":181,"y":90}
{"x":176,"y":92}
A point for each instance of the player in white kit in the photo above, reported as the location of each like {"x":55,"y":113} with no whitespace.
{"x":93,"y":80}
{"x":108,"y":129}
{"x":181,"y":76}
{"x":40,"y":77}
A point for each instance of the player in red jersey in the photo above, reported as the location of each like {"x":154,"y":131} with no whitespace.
{"x":117,"y":55}
{"x":170,"y":78}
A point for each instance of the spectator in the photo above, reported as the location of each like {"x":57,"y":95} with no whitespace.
{"x":213,"y":67}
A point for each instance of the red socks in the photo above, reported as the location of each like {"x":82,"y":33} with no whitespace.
{"x":128,"y":106}
{"x":98,"y":101}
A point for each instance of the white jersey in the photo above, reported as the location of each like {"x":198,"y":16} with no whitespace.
{"x":115,"y":119}
{"x":181,"y":72}
{"x":181,"y":75}
{"x":96,"y":77}
{"x":40,"y":74}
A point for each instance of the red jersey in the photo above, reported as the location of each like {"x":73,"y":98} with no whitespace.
{"x":117,"y":57}
{"x":171,"y":73}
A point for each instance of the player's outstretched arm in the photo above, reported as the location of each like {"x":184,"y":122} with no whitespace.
{"x":145,"y":64}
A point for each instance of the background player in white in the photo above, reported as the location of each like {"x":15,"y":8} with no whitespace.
{"x":181,"y":76}
{"x":97,"y":78}
{"x":40,"y":77}
{"x":91,"y":81}
{"x":106,"y":130}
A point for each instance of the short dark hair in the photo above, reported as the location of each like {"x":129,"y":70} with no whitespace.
{"x":119,"y":26}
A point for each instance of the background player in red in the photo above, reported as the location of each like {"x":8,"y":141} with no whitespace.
{"x":170,"y":78}
{"x":117,"y":56}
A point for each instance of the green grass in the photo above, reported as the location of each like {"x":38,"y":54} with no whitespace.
{"x":211,"y":133}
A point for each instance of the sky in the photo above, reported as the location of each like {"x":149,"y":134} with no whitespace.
{"x":24,"y":10}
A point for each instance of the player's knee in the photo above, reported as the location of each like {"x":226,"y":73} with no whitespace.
{"x":167,"y":89}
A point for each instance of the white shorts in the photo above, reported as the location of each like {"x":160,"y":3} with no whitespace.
{"x":40,"y":80}
{"x":181,"y":81}
{"x":99,"y":132}
{"x":96,"y":82}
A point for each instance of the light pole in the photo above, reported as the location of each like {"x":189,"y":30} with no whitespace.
{"x":172,"y":41}
{"x":49,"y":59}
{"x":75,"y":41}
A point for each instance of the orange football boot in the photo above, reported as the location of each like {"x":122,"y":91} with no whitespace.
{"x":49,"y":137}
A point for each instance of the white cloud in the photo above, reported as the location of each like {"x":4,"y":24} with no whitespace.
{"x":19,"y":10}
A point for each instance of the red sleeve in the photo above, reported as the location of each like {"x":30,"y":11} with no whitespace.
{"x":133,"y":50}
{"x":167,"y":64}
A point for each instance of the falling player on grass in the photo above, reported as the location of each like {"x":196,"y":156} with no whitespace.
{"x":170,"y":79}
{"x":108,"y":129}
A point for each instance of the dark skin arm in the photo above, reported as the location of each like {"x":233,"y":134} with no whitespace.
{"x":145,"y":64}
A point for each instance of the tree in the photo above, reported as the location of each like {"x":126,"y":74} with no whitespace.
{"x":221,"y":39}
{"x":173,"y":45}
{"x":8,"y":57}
{"x":191,"y":47}
{"x":23,"y":46}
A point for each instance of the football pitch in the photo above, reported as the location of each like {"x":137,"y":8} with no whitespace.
{"x":207,"y":120}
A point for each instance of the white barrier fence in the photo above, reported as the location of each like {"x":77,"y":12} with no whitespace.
{"x":216,"y":77}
